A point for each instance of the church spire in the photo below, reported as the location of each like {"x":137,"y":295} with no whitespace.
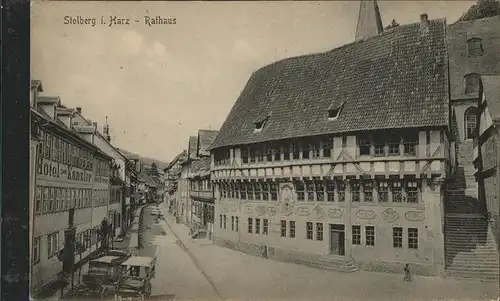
{"x":369,"y":21}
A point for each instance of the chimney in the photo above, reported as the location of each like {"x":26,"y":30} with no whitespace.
{"x":424,"y":25}
{"x":79,"y":110}
{"x":105,"y":130}
{"x":424,"y":18}
{"x":95,"y":125}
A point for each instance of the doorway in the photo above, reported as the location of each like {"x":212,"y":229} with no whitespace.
{"x":337,"y":239}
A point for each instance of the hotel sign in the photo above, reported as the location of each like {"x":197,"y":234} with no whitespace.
{"x":63,"y":171}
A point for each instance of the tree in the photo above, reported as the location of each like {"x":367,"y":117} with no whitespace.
{"x":483,"y":9}
{"x":154,"y":170}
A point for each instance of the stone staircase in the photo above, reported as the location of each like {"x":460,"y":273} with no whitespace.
{"x":471,"y":251}
{"x":334,"y":264}
{"x":470,"y":248}
{"x":461,"y":187}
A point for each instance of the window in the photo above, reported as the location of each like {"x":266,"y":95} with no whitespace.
{"x":237,"y":224}
{"x":277,"y":153}
{"x":283,"y":228}
{"x":38,"y":199}
{"x":319,"y":231}
{"x":310,"y":192}
{"x":320,"y":192}
{"x":368,"y":191}
{"x":306,"y":147}
{"x":292,"y":229}
{"x":232,"y":223}
{"x":252,"y":155}
{"x":344,"y":141}
{"x":286,"y":152}
{"x":52,"y":244}
{"x":220,"y":221}
{"x":269,"y":154}
{"x":261,"y":152}
{"x":470,"y":122}
{"x":364,"y":145}
{"x":370,"y":235}
{"x":341,"y":191}
{"x":393,"y":142}
{"x":327,"y":147}
{"x":257,"y":226}
{"x":412,"y":191}
{"x":243,"y":191}
{"x":379,"y":146}
{"x":36,"y":250}
{"x":330,"y":192}
{"x":265,"y":191}
{"x":383,"y":191}
{"x":45,"y":199}
{"x":471,"y":83}
{"x":356,"y":235}
{"x":396,"y":192}
{"x":474,"y":47}
{"x":413,"y":238}
{"x":299,"y":188}
{"x":250,"y":191}
{"x":355,"y":189}
{"x":274,"y":191}
{"x":51,"y":199}
{"x":309,"y":230}
{"x":265,"y":226}
{"x":250,"y":225}
{"x":225,"y":221}
{"x":295,"y":151}
{"x":410,"y":142}
{"x":397,"y":237}
{"x":257,"y":189}
{"x":315,"y":147}
{"x":244,"y":155}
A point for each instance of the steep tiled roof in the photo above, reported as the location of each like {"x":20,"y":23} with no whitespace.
{"x":200,"y":167}
{"x":397,"y":79}
{"x":461,"y":64}
{"x":491,"y":90}
{"x":205,"y":139}
{"x":181,"y":156}
{"x":193,"y":146}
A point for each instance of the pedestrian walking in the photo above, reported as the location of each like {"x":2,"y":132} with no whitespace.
{"x":407,"y":273}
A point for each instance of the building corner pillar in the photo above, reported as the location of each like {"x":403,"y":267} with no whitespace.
{"x":434,"y":203}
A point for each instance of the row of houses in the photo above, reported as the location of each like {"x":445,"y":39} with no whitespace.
{"x":377,"y":154}
{"x":79,"y":183}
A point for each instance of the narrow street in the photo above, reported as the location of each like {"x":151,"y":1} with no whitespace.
{"x":176,"y":273}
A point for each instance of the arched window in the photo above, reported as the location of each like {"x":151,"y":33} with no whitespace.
{"x":472,"y":82}
{"x":470,"y":122}
{"x":474,"y":47}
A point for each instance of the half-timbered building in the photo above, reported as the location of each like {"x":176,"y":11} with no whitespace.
{"x":338,"y":158}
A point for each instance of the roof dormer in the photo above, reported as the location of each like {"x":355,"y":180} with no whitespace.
{"x":261,"y":121}
{"x":334,"y":110}
{"x":48,"y":104}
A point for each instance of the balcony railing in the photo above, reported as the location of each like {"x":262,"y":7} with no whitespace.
{"x":202,"y":194}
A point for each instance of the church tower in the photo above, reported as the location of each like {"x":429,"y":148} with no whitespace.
{"x":369,"y":21}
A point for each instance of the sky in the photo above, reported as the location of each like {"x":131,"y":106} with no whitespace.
{"x":157,"y":85}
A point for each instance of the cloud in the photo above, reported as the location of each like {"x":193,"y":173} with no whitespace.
{"x":132,"y":42}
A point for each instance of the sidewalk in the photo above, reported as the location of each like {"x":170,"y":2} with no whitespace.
{"x":237,"y":275}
